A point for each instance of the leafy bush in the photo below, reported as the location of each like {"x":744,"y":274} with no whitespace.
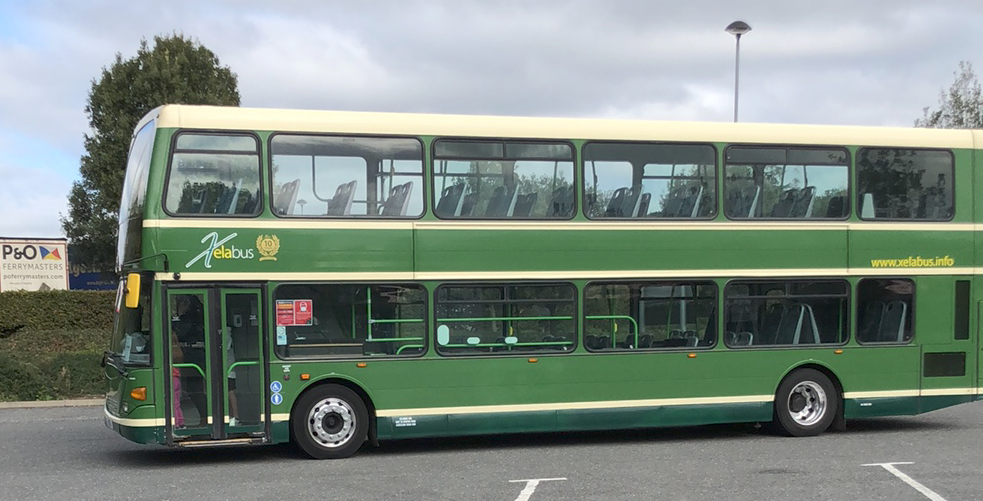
{"x":47,"y":310}
{"x":73,"y":375}
{"x":51,"y":341}
{"x":20,"y":380}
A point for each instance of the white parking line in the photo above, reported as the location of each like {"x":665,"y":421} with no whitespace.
{"x":929,"y":493}
{"x":531,"y":486}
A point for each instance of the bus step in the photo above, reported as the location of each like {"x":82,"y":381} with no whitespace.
{"x":219,"y":443}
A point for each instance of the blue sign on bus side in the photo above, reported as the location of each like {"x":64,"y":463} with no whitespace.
{"x":275,"y":387}
{"x":276,"y":398}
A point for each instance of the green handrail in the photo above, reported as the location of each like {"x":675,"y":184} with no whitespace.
{"x":496,"y":319}
{"x":190,"y":366}
{"x":492,"y":345}
{"x":616,"y":317}
{"x":243,"y":363}
{"x":405,"y":346}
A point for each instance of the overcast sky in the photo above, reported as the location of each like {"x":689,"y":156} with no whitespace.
{"x":860,"y":62}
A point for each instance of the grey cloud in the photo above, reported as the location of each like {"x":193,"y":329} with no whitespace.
{"x":875,"y":62}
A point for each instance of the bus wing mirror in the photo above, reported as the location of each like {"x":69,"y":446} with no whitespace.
{"x":133,"y":290}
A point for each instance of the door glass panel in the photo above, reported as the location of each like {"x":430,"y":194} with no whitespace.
{"x":189,"y":363}
{"x":243,"y":371}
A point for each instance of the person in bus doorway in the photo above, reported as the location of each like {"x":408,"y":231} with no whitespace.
{"x":233,"y":402}
{"x":177,"y":357}
{"x":188,"y":324}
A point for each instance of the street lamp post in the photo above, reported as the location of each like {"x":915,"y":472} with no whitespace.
{"x":737,"y":28}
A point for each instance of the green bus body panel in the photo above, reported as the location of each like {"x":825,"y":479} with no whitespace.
{"x":325,"y":251}
{"x":140,"y":435}
{"x":118,"y":398}
{"x":453,"y":250}
{"x":630,"y":249}
{"x":583,"y":420}
{"x":867,"y":246}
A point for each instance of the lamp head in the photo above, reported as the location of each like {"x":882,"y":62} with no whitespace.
{"x":737,"y":28}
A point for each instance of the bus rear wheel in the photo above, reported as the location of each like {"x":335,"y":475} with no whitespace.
{"x":329,"y":422}
{"x":805,"y":404}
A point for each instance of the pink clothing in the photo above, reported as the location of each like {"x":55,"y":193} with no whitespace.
{"x":176,"y":386}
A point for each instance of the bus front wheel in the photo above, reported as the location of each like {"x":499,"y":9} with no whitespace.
{"x":805,"y":403}
{"x":330,"y":422}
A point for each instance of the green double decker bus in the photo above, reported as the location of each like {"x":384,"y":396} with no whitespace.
{"x":332,"y":278}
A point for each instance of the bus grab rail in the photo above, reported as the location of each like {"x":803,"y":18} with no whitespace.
{"x":616,"y":317}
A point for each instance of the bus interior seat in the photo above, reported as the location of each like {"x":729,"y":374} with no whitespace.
{"x":790,"y":326}
{"x":674,"y":200}
{"x":870,"y":322}
{"x":742,"y":202}
{"x":231,"y":198}
{"x":835,"y":207}
{"x":502,"y":202}
{"x":467,"y":205}
{"x":632,"y":199}
{"x":739,"y":338}
{"x":710,"y":332}
{"x":286,"y":198}
{"x":616,"y":204}
{"x":643,"y":205}
{"x":341,"y":202}
{"x":590,"y":341}
{"x":755,"y":202}
{"x":802,"y":206}
{"x":797,"y":326}
{"x":771,"y":320}
{"x":450,"y":201}
{"x":691,"y":338}
{"x":783,"y":208}
{"x":809,"y":334}
{"x":223,"y":194}
{"x":645,"y":341}
{"x":398,"y":201}
{"x":562,"y":202}
{"x":892,"y":325}
{"x":524,"y":204}
{"x":690,"y":206}
{"x":249,"y":205}
{"x":738,"y":315}
{"x":197,"y":199}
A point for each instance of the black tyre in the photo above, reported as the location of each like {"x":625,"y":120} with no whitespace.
{"x":329,"y":422}
{"x":805,"y":404}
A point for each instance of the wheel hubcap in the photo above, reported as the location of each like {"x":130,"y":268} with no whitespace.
{"x":807,"y":403}
{"x":331,"y":422}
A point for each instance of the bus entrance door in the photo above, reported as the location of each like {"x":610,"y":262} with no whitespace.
{"x":216,"y":381}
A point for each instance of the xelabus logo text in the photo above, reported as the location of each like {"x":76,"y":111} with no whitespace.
{"x":217,"y":249}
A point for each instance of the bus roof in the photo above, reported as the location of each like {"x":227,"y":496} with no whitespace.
{"x":416,"y":124}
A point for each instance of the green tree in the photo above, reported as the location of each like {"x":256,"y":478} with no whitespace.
{"x":960,"y":107}
{"x":176,"y":70}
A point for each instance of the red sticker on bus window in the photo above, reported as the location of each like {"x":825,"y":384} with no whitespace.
{"x":294,"y":312}
{"x":302,"y":311}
